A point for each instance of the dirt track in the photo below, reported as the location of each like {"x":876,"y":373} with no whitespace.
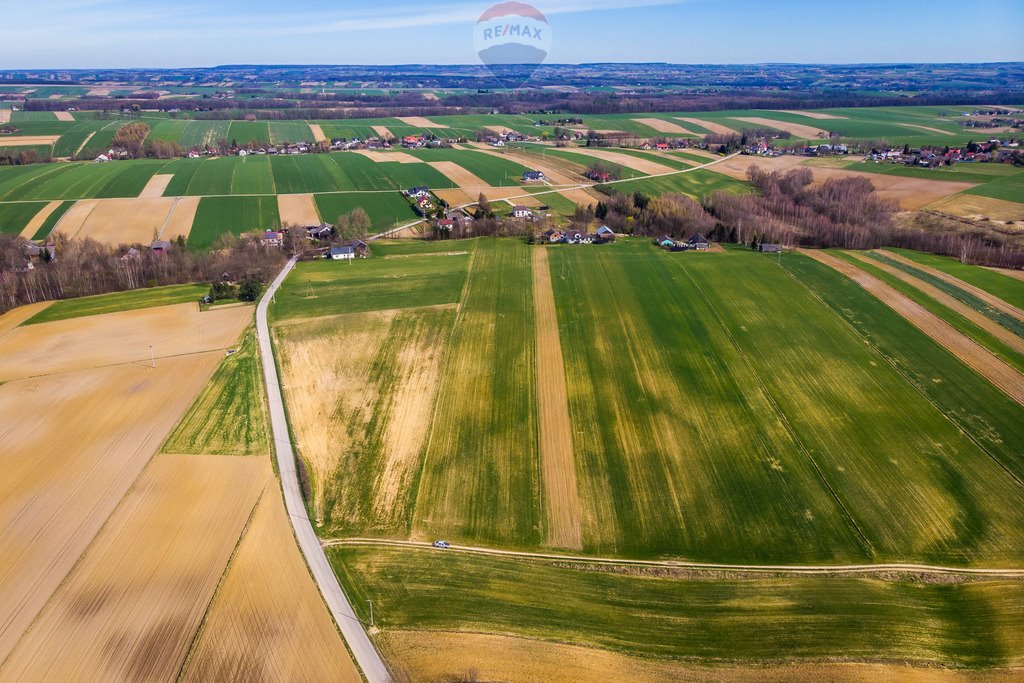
{"x":1006,"y":378}
{"x":558,"y":464}
{"x":991,"y":300}
{"x":927,"y":129}
{"x":984,"y":322}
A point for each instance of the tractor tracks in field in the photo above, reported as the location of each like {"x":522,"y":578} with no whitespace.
{"x":868,"y":570}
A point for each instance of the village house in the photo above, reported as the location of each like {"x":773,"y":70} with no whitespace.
{"x":160,"y":247}
{"x":417,"y":192}
{"x":341,"y":253}
{"x":769,"y":248}
{"x":361,"y":248}
{"x":533,"y":177}
{"x":698,"y":243}
{"x":520,"y":211}
{"x":605,"y":234}
{"x":319,"y":232}
{"x":552,"y":235}
{"x":272,"y":238}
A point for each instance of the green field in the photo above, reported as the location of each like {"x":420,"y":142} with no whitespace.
{"x":230,"y":416}
{"x":717,"y":383}
{"x":659,"y":616}
{"x":14,"y":217}
{"x":217,"y":216}
{"x":697,"y":184}
{"x":386,"y":210}
{"x":324,"y":287}
{"x":120,"y":301}
{"x":51,"y":221}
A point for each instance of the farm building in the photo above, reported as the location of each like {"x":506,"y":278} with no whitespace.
{"x":319,"y":232}
{"x":160,"y":246}
{"x":698,"y":243}
{"x":361,"y":248}
{"x":552,"y":235}
{"x":770,"y":248}
{"x":272,"y":238}
{"x":605,"y":234}
{"x":341,"y":254}
{"x":533,"y":176}
{"x":666,"y":242}
{"x":520,"y":211}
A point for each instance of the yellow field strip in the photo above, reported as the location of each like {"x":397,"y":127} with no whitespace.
{"x":972,"y":354}
{"x":558,"y":465}
{"x":37,"y":221}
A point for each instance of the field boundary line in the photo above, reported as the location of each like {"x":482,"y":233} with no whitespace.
{"x":362,"y":648}
{"x":795,"y":569}
{"x":782,"y":416}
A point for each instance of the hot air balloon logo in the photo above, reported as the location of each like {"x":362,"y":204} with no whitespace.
{"x":513,"y":39}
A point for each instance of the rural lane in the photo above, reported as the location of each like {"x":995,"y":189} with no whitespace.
{"x":366,"y":655}
{"x":1010,"y":573}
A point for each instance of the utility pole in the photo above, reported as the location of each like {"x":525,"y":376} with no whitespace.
{"x":371,"y":612}
{"x":152,"y":356}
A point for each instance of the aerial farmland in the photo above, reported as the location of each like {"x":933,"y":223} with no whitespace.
{"x":610,"y":372}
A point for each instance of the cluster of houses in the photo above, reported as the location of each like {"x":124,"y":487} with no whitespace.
{"x":422,"y":199}
{"x":762,"y":148}
{"x":696,"y":243}
{"x":997,"y":151}
{"x":495,"y":139}
{"x":604,"y":235}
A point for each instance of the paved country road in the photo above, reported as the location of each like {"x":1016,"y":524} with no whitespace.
{"x":365,"y":653}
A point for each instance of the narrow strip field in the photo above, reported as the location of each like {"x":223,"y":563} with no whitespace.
{"x":716,"y":128}
{"x":663,"y":126}
{"x":799,"y":130}
{"x":967,"y":350}
{"x":820,"y":115}
{"x":558,"y":470}
{"x":156,"y":186}
{"x":37,"y":222}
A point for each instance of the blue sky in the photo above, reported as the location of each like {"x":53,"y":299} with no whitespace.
{"x":157,"y":33}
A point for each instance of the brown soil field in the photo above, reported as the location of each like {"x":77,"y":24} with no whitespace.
{"x":383,"y":132}
{"x":927,"y":129}
{"x":384,"y":157}
{"x":132,"y":605}
{"x":318,"y":132}
{"x":180,"y":220}
{"x":1001,"y":375}
{"x":74,"y":443}
{"x":27,"y":140}
{"x":710,"y":125}
{"x":664,"y":126}
{"x":156,"y":186}
{"x":298,"y":209}
{"x":984,"y":322}
{"x":989,"y":299}
{"x":558,"y":465}
{"x":118,"y":339}
{"x":449,"y":656}
{"x":100,"y":92}
{"x":1016,"y":274}
{"x":11,"y":319}
{"x":37,"y":221}
{"x":911,"y":193}
{"x":5,"y":115}
{"x":821,"y":116}
{"x":64,"y":116}
{"x":430,"y":96}
{"x":500,"y":130}
{"x":976,"y":206}
{"x":470,"y":187}
{"x":267,"y":621}
{"x":420,"y":122}
{"x":74,"y":218}
{"x":800,"y":130}
{"x":121,"y":221}
{"x":629,"y":161}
